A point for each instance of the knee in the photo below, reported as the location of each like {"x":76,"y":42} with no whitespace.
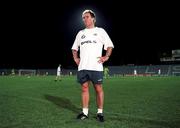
{"x":85,"y":88}
{"x":98,"y":88}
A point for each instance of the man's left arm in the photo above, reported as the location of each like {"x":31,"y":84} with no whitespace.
{"x":106,"y":57}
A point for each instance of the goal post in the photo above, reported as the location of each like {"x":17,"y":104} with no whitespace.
{"x":26,"y":72}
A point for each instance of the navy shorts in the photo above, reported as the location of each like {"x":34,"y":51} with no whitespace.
{"x":96,"y":77}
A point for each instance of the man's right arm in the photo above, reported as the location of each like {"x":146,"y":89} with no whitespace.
{"x":75,"y":56}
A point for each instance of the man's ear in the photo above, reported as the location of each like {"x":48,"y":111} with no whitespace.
{"x":94,"y":19}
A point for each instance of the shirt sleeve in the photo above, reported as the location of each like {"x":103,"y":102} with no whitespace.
{"x":76,"y":42}
{"x":106,"y":40}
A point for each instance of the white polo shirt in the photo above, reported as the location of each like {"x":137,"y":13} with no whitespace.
{"x":90,"y":42}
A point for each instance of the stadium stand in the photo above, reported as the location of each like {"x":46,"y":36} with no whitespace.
{"x":128,"y":70}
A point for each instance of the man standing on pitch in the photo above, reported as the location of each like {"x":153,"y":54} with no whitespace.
{"x":58,"y":76}
{"x":90,"y":42}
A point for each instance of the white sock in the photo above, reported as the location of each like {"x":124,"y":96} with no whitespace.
{"x":100,"y":110}
{"x":85,"y":111}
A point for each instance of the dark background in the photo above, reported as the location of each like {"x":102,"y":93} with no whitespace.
{"x":40,"y":35}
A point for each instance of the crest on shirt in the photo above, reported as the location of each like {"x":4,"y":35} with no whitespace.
{"x":95,"y":34}
{"x":83,"y":36}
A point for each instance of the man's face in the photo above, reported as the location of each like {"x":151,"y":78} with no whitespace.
{"x":88,"y":20}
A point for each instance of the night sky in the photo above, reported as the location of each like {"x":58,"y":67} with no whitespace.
{"x":40,"y":35}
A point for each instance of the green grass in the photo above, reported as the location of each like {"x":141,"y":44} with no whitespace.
{"x":40,"y":102}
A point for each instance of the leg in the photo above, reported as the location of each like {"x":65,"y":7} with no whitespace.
{"x":56,"y":78}
{"x":100,"y":101}
{"x":97,"y":80}
{"x":59,"y":77}
{"x":99,"y":95}
{"x":85,"y":94}
{"x":85,"y":101}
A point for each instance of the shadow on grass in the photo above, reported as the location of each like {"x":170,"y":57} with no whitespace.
{"x":10,"y":126}
{"x":63,"y":103}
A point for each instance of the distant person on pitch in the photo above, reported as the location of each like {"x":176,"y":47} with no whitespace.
{"x":90,"y":42}
{"x":58,"y":76}
{"x":159,"y":72}
{"x":135,"y":72}
{"x":106,"y":72}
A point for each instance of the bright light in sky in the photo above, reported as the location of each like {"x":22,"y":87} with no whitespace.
{"x":75,"y":20}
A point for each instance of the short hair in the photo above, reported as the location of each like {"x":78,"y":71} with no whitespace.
{"x":89,"y":11}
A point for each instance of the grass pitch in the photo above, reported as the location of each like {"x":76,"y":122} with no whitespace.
{"x":130,"y":102}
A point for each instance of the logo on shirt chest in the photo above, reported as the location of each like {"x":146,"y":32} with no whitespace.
{"x":83,"y":36}
{"x":95,"y":34}
{"x":88,"y":41}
